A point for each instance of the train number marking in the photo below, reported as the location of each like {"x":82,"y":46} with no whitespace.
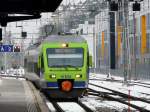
{"x":66,"y":76}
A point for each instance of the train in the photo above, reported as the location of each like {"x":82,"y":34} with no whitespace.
{"x":59,"y":65}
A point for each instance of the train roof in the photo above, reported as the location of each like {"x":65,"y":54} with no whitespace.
{"x":59,"y":38}
{"x":68,"y":38}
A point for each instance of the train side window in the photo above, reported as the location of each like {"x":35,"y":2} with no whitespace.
{"x":25,"y":63}
{"x":88,"y":59}
{"x":42,"y":64}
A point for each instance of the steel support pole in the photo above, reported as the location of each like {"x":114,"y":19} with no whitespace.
{"x":126,"y":44}
{"x":135,"y":42}
{"x":94,"y":50}
{"x":112,"y":39}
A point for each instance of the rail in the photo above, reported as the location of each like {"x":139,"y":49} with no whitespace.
{"x":109,"y":97}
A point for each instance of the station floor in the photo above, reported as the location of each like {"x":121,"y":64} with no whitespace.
{"x":16,"y":95}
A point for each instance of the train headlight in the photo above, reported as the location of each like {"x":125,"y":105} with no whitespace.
{"x":53,"y":76}
{"x":78,"y":76}
{"x":64,"y":45}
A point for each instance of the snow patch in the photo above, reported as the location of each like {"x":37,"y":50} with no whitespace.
{"x":50,"y":106}
{"x":118,"y":85}
{"x":71,"y":107}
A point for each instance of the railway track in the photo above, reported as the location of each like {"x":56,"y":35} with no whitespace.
{"x":142,"y":84}
{"x":57,"y":106}
{"x":60,"y":109}
{"x":122,"y":94}
{"x":147,"y":85}
{"x":86,"y":108}
{"x":122,"y":99}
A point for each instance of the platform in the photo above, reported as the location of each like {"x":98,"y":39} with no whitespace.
{"x":19,"y":95}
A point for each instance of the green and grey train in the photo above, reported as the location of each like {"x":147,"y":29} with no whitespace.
{"x":59,"y":65}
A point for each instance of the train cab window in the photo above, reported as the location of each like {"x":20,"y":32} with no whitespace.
{"x":68,"y":57}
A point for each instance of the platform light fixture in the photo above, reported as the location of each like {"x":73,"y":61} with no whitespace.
{"x":24,"y":34}
{"x":136,"y":6}
{"x":113,"y":6}
{"x":17,"y":49}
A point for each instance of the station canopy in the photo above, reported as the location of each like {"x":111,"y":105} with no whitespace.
{"x":28,"y":6}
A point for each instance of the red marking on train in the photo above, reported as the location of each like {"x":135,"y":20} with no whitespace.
{"x":66,"y":86}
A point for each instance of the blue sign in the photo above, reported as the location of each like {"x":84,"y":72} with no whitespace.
{"x":6,"y":48}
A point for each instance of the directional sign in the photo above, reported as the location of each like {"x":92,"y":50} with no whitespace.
{"x":6,"y":48}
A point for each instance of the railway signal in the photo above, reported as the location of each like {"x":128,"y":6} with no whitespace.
{"x":17,"y":49}
{"x":113,"y":6}
{"x":136,"y":6}
{"x":24,"y":34}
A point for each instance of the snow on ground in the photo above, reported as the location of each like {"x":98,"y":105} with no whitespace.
{"x":104,"y":76}
{"x":97,"y":104}
{"x":135,"y":90}
{"x":98,"y":89}
{"x":147,"y":82}
{"x":121,"y":87}
{"x":141,"y":104}
{"x":50,"y":106}
{"x":71,"y":107}
{"x":66,"y":106}
{"x":13,"y":78}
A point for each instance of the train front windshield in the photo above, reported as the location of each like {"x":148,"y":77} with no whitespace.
{"x":65,"y":57}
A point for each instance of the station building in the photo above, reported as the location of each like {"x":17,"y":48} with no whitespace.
{"x":138,"y":43}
